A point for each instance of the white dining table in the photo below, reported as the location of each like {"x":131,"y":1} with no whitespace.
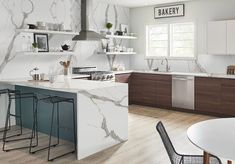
{"x":214,"y":137}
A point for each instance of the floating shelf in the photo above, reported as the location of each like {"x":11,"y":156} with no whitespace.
{"x":117,"y":53}
{"x":46,"y":53}
{"x":120,"y":37}
{"x":47,"y":32}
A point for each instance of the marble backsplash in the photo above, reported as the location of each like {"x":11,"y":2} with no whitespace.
{"x":16,"y":14}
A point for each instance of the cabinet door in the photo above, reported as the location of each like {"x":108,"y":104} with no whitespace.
{"x":164,"y":91}
{"x":231,"y":37}
{"x":143,"y":89}
{"x":217,"y":38}
{"x":208,"y":95}
{"x":228,"y":97}
{"x":122,"y":78}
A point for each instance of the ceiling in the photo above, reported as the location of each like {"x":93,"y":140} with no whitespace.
{"x":139,"y":3}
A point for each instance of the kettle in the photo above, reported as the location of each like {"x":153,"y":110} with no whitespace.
{"x":65,"y":47}
{"x":34,"y":74}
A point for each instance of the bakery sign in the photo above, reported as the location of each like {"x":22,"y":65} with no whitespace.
{"x":169,"y":11}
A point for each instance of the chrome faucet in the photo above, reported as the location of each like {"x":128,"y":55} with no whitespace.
{"x":167,"y":65}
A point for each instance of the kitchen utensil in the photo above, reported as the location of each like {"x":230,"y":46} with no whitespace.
{"x":32,"y":26}
{"x":52,"y":78}
{"x":41,"y":25}
{"x":65,"y":47}
{"x":34,"y":74}
{"x":119,"y":33}
{"x":42,"y":76}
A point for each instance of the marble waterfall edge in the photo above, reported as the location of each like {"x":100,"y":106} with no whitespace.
{"x":102,"y":119}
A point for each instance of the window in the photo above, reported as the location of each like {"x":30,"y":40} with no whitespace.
{"x":170,"y":40}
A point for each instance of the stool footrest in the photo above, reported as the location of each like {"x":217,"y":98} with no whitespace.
{"x":44,"y":148}
{"x":13,"y":115}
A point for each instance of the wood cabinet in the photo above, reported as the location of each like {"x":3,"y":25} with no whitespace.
{"x":208,"y":94}
{"x":151,"y":90}
{"x":122,"y":78}
{"x":215,"y":95}
{"x":217,"y":38}
{"x":228,"y":96}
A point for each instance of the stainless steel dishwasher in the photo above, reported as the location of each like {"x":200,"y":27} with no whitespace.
{"x":183,"y":92}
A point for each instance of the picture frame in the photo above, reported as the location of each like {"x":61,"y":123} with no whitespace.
{"x":124,"y":28}
{"x":42,"y":42}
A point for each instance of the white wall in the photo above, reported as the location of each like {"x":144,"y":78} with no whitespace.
{"x":199,"y":11}
{"x":55,"y":11}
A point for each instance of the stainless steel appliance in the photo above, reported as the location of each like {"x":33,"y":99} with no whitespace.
{"x":94,"y":74}
{"x":86,"y":33}
{"x":183,"y":92}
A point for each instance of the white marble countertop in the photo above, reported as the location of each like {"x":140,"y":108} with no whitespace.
{"x":196,"y":74}
{"x":65,"y":85}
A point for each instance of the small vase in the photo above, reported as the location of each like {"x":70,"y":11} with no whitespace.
{"x":109,"y":32}
{"x":35,"y":49}
{"x":66,"y":71}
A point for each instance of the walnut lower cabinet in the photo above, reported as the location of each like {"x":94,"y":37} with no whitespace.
{"x":123,"y":78}
{"x":151,"y":90}
{"x":215,"y":95}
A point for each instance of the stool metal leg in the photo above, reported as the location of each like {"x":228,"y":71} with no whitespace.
{"x":34,"y":130}
{"x":58,"y":124}
{"x":52,"y":119}
{"x":74,"y":137}
{"x":6,"y":123}
{"x":21,"y":128}
{"x":48,"y":147}
{"x":74,"y":127}
{"x":13,"y":140}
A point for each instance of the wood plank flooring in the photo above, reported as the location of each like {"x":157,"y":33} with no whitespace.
{"x":143,"y":147}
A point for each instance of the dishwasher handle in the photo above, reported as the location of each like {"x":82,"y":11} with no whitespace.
{"x":188,"y":78}
{"x":180,"y":79}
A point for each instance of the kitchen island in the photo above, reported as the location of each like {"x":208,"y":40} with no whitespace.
{"x":101,"y":110}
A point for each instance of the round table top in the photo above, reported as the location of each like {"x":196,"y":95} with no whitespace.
{"x":216,"y":137}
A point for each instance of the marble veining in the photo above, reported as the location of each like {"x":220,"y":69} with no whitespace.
{"x":104,"y":126}
{"x":93,"y":96}
{"x":11,"y":12}
{"x":22,"y":12}
{"x":111,"y":133}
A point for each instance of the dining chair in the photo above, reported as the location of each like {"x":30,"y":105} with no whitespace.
{"x":177,"y":158}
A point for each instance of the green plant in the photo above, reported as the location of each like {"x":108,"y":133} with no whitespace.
{"x":109,"y":25}
{"x":35,"y":45}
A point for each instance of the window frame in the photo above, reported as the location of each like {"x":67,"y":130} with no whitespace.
{"x":169,"y":42}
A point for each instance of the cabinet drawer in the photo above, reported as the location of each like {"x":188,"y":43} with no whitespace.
{"x":154,"y":77}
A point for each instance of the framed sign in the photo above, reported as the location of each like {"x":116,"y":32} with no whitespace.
{"x":169,"y":11}
{"x":42,"y":41}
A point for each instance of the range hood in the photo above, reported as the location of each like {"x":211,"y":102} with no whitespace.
{"x":85,"y":33}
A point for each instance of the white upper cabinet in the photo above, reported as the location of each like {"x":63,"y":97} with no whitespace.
{"x":231,"y":37}
{"x":217,"y":38}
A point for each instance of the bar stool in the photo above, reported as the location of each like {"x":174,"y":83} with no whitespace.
{"x":7,"y":92}
{"x":55,"y":100}
{"x":17,"y":95}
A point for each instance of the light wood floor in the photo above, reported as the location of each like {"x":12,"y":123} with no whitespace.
{"x":143,"y":147}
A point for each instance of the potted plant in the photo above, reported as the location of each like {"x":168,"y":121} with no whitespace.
{"x":35,"y":47}
{"x":109,"y":26}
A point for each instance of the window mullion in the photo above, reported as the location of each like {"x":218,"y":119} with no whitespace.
{"x":169,"y":40}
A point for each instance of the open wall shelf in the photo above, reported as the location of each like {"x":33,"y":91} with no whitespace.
{"x":47,"y":32}
{"x":66,"y":53}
